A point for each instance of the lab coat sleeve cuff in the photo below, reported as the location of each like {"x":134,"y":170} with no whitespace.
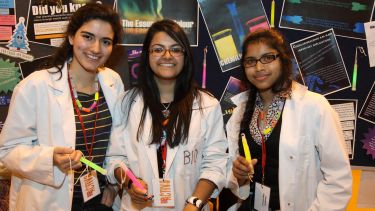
{"x":112,"y":165}
{"x":217,"y":179}
{"x":244,"y":191}
{"x":241,"y":192}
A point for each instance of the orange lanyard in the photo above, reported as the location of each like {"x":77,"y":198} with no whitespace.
{"x":81,"y":121}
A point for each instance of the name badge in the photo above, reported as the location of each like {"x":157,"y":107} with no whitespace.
{"x":262,"y":197}
{"x":163,"y":193}
{"x":89,"y":185}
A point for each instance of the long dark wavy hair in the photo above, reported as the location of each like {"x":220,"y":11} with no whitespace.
{"x":185,"y":90}
{"x":275,"y":40}
{"x":88,"y":12}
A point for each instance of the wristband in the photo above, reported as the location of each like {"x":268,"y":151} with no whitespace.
{"x":195,"y":201}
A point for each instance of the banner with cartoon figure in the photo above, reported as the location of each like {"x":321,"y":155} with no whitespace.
{"x":228,"y":22}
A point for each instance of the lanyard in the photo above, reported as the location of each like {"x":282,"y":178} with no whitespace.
{"x":81,"y":121}
{"x":163,"y":146}
{"x":264,"y":156}
{"x":264,"y":152}
{"x":164,"y":157}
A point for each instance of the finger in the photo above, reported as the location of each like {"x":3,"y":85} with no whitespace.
{"x":76,"y":156}
{"x":237,"y":164}
{"x":76,"y":166}
{"x":244,"y":162}
{"x":136,"y":197}
{"x":240,"y":174}
{"x":63,"y":150}
{"x":254,"y":161}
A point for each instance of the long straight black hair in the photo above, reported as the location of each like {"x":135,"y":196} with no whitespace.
{"x":185,"y":90}
{"x":275,"y":40}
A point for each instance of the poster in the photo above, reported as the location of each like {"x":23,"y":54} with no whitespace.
{"x":134,"y":56}
{"x":228,"y":22}
{"x":138,"y":15}
{"x":7,"y":19}
{"x":320,"y":63}
{"x":347,"y":112}
{"x":367,"y":112}
{"x":234,"y":93}
{"x":47,"y":21}
{"x":346,"y":17}
{"x":370,"y":40}
{"x":27,"y":68}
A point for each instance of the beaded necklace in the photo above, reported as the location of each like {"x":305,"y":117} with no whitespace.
{"x":74,"y":90}
{"x":262,"y":124}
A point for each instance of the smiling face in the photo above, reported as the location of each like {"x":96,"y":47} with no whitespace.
{"x":92,"y":45}
{"x":166,"y":67}
{"x":262,"y":76}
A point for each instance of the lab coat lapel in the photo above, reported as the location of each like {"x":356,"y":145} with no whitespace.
{"x":171,"y":154}
{"x":60,"y":88}
{"x":150,"y":148}
{"x":107,"y":85}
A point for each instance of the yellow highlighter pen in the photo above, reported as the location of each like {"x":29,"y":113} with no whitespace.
{"x":247,"y":151}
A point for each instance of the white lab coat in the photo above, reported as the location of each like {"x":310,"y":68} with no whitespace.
{"x":203,"y":157}
{"x":40,"y":118}
{"x":314,"y":169}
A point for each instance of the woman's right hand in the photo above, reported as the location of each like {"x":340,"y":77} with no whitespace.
{"x":66,"y":158}
{"x":138,"y":195}
{"x":242,"y":170}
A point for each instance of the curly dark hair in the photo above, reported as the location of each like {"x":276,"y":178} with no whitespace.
{"x":86,"y":13}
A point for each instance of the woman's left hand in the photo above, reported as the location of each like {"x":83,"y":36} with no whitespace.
{"x":109,"y":195}
{"x":190,"y":207}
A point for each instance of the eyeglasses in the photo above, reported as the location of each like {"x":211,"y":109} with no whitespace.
{"x":265,"y":59}
{"x":160,"y":51}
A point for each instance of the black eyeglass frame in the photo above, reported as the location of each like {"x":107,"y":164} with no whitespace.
{"x":263,"y":57}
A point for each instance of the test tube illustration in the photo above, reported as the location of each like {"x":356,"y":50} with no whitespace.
{"x":224,"y":44}
{"x":259,"y":22}
{"x":236,"y":20}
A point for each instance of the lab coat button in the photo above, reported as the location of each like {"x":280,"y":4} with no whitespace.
{"x":291,"y":157}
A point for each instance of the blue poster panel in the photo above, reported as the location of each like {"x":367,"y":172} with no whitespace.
{"x":346,"y":17}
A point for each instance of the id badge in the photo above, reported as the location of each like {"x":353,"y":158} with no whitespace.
{"x":90,"y":185}
{"x":163,"y":193}
{"x":262,"y":197}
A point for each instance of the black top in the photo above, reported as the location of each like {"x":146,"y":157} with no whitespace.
{"x":103,"y":129}
{"x":271,"y":169}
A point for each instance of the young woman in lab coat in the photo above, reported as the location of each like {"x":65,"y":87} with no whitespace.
{"x":59,"y":114}
{"x":294,"y":136}
{"x":172,"y":135}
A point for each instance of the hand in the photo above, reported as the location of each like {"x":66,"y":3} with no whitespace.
{"x":109,"y":195}
{"x":138,"y":195}
{"x":66,"y":158}
{"x":120,"y":176}
{"x":190,"y":207}
{"x":242,"y":169}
